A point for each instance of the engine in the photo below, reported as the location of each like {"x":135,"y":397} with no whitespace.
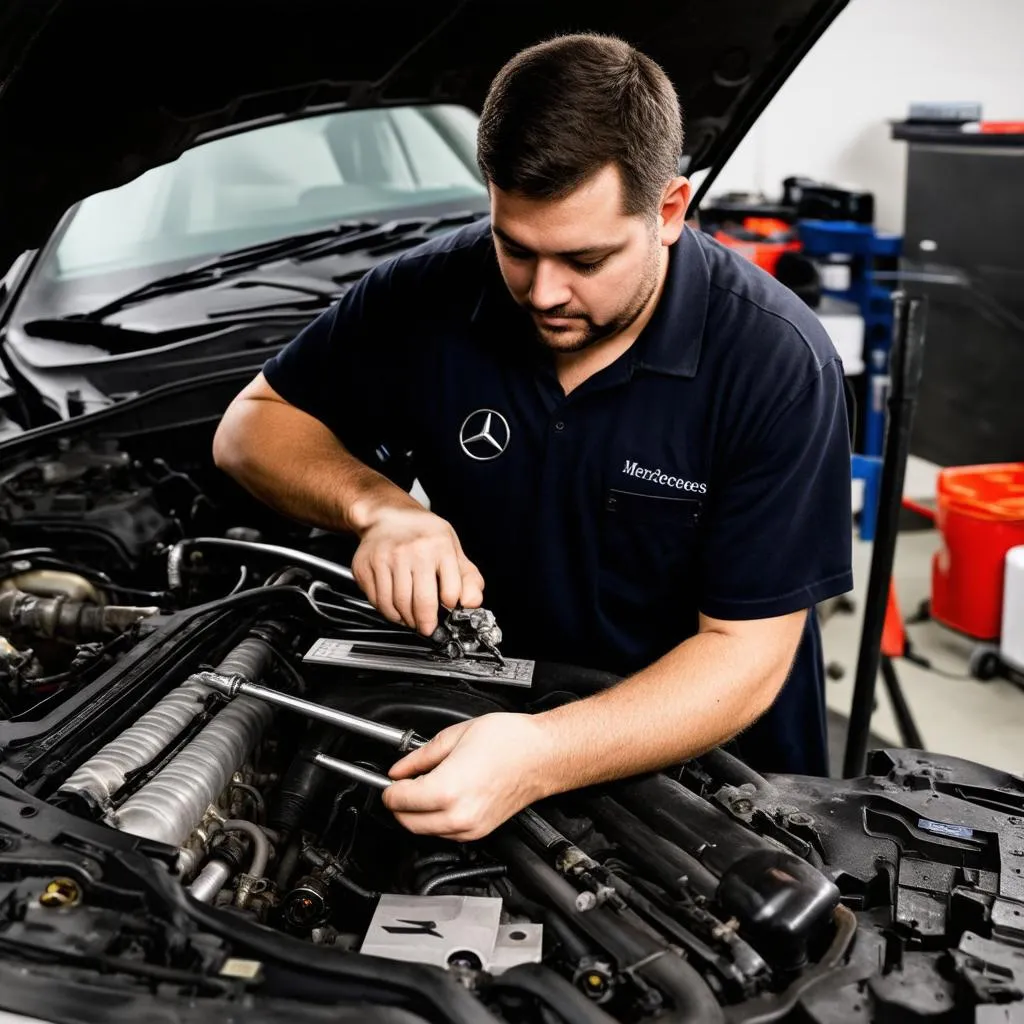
{"x":197,"y":728}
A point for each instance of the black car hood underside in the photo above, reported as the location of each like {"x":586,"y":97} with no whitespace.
{"x":94,"y":92}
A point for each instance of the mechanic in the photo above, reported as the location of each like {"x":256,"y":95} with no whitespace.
{"x":634,"y":435}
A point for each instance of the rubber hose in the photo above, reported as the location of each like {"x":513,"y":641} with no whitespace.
{"x":568,"y":1003}
{"x":441,"y":857}
{"x":463,"y":875}
{"x":289,"y":862}
{"x":669,"y":864}
{"x":260,"y":844}
{"x":298,"y":788}
{"x":290,"y":577}
{"x":724,"y":767}
{"x":615,"y":931}
{"x":772,"y":1006}
{"x":354,"y":887}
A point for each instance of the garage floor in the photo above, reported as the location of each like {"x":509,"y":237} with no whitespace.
{"x":960,"y":716}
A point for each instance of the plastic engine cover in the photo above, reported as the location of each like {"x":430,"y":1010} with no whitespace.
{"x":448,"y":930}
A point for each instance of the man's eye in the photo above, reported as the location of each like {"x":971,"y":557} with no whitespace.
{"x":589,"y":267}
{"x":515,"y":254}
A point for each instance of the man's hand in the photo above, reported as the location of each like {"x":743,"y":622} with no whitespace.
{"x":475,"y":775}
{"x":471,"y":777}
{"x":409,"y":561}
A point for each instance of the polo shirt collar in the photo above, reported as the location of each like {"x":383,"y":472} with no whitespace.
{"x":670,"y":343}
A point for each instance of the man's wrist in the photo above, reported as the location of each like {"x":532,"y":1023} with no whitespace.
{"x":374,"y":502}
{"x":550,"y":759}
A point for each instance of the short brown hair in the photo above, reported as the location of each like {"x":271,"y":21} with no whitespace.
{"x":559,"y":111}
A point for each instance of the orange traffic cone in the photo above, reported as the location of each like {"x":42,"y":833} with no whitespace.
{"x":894,"y":636}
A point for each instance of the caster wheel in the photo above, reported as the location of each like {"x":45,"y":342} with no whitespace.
{"x":985,"y":663}
{"x":923,"y":613}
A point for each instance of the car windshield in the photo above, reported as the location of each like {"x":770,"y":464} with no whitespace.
{"x":270,"y":182}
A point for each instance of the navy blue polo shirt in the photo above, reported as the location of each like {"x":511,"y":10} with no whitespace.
{"x":706,"y":470}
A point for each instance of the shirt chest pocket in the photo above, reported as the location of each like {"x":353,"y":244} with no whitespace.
{"x":647,"y":543}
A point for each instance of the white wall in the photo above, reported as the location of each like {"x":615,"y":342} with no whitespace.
{"x":830,"y":120}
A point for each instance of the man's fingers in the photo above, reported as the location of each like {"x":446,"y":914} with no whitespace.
{"x":424,"y":597}
{"x":472,"y":584}
{"x":449,"y":578}
{"x":401,"y":593}
{"x":429,"y":756}
{"x":418,"y":796}
{"x":366,"y":580}
{"x":384,"y":600}
{"x":433,"y":823}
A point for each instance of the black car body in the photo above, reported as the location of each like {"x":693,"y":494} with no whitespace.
{"x":178,"y":665}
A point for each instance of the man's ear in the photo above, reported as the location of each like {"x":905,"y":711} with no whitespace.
{"x":675,"y":201}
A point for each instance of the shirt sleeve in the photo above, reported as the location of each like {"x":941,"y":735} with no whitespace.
{"x":778,"y":535}
{"x":349,"y":369}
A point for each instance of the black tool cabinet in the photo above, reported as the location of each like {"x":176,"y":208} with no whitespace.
{"x":964,"y":249}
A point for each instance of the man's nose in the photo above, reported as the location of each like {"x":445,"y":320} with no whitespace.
{"x":550,"y":286}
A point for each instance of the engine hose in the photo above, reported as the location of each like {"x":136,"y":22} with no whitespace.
{"x":670,"y":865}
{"x":269,"y":552}
{"x":423,"y":868}
{"x":258,"y":805}
{"x":781,"y":902}
{"x":772,"y":1006}
{"x":354,"y":887}
{"x":289,"y":862}
{"x":290,"y":577}
{"x":620,"y":934}
{"x":463,"y":875}
{"x":724,"y":767}
{"x":214,"y":876}
{"x":567,"y":1002}
{"x":61,"y":618}
{"x":441,"y":857}
{"x":260,"y":844}
{"x":300,"y":785}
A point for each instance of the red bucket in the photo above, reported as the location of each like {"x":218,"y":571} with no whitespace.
{"x":980,"y":515}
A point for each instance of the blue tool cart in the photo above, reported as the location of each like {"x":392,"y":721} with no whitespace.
{"x":852,"y":249}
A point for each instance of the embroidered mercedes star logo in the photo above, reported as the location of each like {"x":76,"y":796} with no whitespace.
{"x":484,"y":435}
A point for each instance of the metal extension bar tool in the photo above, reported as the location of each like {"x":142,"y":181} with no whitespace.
{"x":403,"y":740}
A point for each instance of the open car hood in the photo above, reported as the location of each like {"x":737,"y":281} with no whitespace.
{"x":94,"y":92}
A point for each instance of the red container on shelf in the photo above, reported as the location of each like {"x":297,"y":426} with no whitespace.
{"x":980,"y":515}
{"x":762,"y":240}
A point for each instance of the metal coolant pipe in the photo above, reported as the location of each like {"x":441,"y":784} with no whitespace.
{"x":64,"y":618}
{"x":176,"y":556}
{"x":211,"y":880}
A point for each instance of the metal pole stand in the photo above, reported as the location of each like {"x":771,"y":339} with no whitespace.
{"x":905,"y":364}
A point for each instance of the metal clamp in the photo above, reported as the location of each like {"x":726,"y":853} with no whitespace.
{"x":466,"y":630}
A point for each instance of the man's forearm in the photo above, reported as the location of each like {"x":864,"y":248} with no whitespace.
{"x":302,"y":471}
{"x":697,"y":696}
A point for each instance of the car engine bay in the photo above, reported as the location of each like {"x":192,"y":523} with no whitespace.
{"x":174,"y":823}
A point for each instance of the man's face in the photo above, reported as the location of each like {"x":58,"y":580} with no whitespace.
{"x":580,"y":267}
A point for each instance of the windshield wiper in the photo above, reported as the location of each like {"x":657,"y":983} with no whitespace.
{"x":217,"y":269}
{"x":344,"y":237}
